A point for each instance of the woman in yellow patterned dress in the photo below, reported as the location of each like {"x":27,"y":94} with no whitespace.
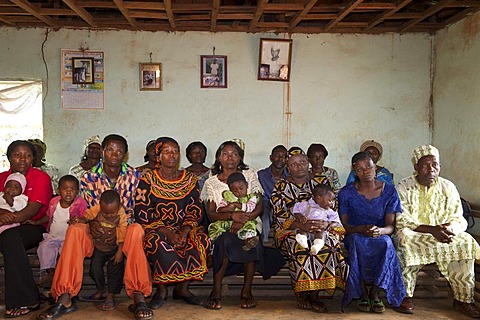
{"x":169,"y":209}
{"x":312,"y":276}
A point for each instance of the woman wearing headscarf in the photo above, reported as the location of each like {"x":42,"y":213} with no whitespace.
{"x":376,"y":150}
{"x":40,"y":162}
{"x":92,"y":155}
{"x":149,"y":158}
{"x":313,"y":276}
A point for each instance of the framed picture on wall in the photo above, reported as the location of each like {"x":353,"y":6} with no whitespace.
{"x":213,"y":71}
{"x":150,"y":76}
{"x":83,"y":70}
{"x":275,"y":59}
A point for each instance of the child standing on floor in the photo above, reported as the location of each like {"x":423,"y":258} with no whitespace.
{"x":61,"y":209}
{"x":111,"y":218}
{"x":13,"y":199}
{"x":318,"y":208}
{"x":237,"y":199}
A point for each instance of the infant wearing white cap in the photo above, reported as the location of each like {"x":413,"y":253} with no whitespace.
{"x":13,"y":199}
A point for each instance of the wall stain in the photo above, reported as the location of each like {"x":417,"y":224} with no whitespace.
{"x":471,"y":27}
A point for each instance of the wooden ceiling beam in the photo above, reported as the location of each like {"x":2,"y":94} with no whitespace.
{"x":300,"y":15}
{"x":56,"y":12}
{"x":380,"y":18}
{"x":134,"y":5}
{"x":235,"y":16}
{"x":6,"y":21}
{"x":95,"y":4}
{"x":125,"y":13}
{"x":433,"y":9}
{"x":148,"y":15}
{"x":257,"y":15}
{"x":459,"y":16}
{"x":168,"y":10}
{"x":13,"y":11}
{"x":87,"y":17}
{"x":33,"y":10}
{"x":348,"y":8}
{"x":214,"y":15}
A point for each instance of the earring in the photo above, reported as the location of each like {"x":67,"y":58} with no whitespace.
{"x":220,"y":167}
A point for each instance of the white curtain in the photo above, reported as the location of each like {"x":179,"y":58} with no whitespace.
{"x":18,"y":96}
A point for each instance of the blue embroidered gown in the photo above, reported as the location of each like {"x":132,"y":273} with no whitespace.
{"x":371,"y":260}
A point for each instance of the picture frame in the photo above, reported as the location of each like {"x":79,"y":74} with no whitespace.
{"x":274,"y":62}
{"x":213,"y":72}
{"x":83,"y":70}
{"x":150,"y":76}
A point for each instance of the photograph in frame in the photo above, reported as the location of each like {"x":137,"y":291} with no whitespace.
{"x":213,"y":71}
{"x":275,"y":59}
{"x":83,"y":70}
{"x":150,"y":76}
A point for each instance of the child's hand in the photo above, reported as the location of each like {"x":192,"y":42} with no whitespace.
{"x":74,"y":220}
{"x":300,"y":217}
{"x":8,"y":198}
{"x":34,"y":223}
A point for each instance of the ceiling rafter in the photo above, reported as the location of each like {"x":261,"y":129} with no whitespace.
{"x":170,"y":16}
{"x":33,"y":10}
{"x":380,"y":18}
{"x":82,"y":13}
{"x":433,"y":9}
{"x":10,"y":23}
{"x":213,"y":21}
{"x":348,"y":8}
{"x":299,"y":16}
{"x":258,"y":13}
{"x":125,"y":13}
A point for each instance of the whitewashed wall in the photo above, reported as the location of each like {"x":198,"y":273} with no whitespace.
{"x":344,"y":89}
{"x":457,"y":106}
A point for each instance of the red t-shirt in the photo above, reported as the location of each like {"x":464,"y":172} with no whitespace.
{"x":38,"y":188}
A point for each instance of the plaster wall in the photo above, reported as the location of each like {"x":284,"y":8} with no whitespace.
{"x":344,"y":89}
{"x":456,"y":101}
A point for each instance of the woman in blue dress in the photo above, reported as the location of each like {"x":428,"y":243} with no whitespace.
{"x":367,"y":208}
{"x":376,"y":150}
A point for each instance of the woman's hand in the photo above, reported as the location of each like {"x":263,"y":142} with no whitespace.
{"x":7,"y":218}
{"x":240,"y":217}
{"x":312,"y":226}
{"x":372,"y":231}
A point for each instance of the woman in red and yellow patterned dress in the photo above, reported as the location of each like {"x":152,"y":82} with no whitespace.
{"x":168,"y":207}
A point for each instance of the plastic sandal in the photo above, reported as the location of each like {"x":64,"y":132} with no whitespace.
{"x":364,"y":305}
{"x":377,"y":306}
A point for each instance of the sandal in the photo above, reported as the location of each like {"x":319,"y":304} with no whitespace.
{"x":213,"y":302}
{"x":364,"y":305}
{"x":247,"y":302}
{"x":318,"y":306}
{"x":157,"y":301}
{"x":108,"y":305}
{"x":93,"y":298}
{"x":56,"y":311}
{"x":303,"y":302}
{"x":141,"y":311}
{"x":377,"y":306}
{"x":20,"y":312}
{"x":250,"y":243}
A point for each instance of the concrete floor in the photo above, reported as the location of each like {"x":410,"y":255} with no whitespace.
{"x":275,"y":308}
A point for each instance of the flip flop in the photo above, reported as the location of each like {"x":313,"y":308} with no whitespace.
{"x":91,"y":298}
{"x":247,"y":302}
{"x":20,"y":312}
{"x":213,"y":302}
{"x":108,"y":305}
{"x":56,"y":311}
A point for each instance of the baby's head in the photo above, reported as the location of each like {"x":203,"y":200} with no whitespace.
{"x":109,"y":204}
{"x":15,"y":184}
{"x":237,"y":184}
{"x":324,"y":196}
{"x":68,"y":189}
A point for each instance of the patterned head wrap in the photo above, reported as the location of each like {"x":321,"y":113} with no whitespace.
{"x":423,"y":151}
{"x":92,"y":140}
{"x":372,"y":143}
{"x":20,"y":178}
{"x":293,"y":151}
{"x":240,"y":143}
{"x":41,"y":144}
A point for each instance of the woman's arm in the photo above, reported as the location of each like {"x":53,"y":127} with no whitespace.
{"x":363,"y":229}
{"x":389,"y":224}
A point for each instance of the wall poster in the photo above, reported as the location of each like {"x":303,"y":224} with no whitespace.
{"x":82,"y":79}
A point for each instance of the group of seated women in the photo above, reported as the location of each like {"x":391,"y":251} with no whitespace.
{"x":173,"y":206}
